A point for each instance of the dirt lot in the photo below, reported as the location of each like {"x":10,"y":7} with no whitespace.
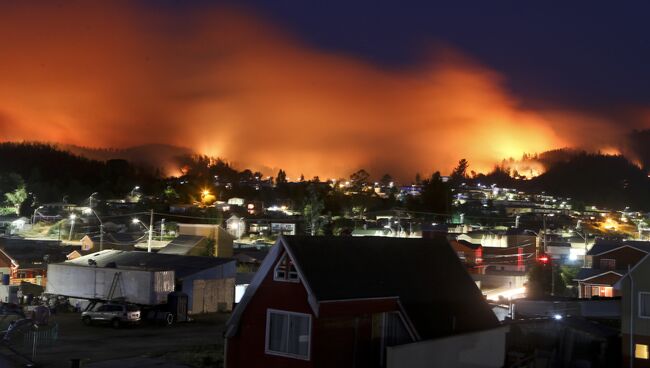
{"x":198,"y":343}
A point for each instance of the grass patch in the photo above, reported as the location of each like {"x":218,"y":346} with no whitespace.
{"x":202,"y":356}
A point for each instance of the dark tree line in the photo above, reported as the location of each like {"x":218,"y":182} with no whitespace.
{"x":50,"y":175}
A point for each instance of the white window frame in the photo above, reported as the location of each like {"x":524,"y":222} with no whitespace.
{"x":639,"y":295}
{"x":268,"y":332}
{"x":282,"y":260}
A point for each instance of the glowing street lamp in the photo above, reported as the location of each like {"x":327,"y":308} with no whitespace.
{"x":34,"y":215}
{"x":72,"y":218}
{"x":147,"y":228}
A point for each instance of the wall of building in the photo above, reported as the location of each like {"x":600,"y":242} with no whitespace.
{"x":223,"y":246}
{"x":608,"y":279}
{"x":479,"y":349}
{"x":220,"y":282}
{"x":641,"y":279}
{"x":624,"y":256}
{"x":209,"y":296}
{"x":342,"y":337}
{"x":247,"y":347}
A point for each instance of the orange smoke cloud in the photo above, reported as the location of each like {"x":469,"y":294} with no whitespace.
{"x":230,"y":84}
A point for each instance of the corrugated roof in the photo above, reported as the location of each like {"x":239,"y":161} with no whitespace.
{"x":182,"y":265}
{"x":437,"y":293}
{"x":34,"y":253}
{"x":182,"y":244}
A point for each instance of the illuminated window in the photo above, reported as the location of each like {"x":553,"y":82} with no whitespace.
{"x":641,"y":351}
{"x":602,"y":291}
{"x":285,"y":270}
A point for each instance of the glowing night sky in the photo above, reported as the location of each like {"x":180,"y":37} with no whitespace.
{"x":326,"y":89}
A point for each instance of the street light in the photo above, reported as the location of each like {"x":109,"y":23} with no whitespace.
{"x":584,"y":236}
{"x":88,"y":211}
{"x":72,"y":218}
{"x":137,"y":187}
{"x":34,"y":215}
{"x":148,"y":228}
{"x":90,"y":199}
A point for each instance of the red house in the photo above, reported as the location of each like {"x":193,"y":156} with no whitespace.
{"x":340,"y":301}
{"x":607,"y":262}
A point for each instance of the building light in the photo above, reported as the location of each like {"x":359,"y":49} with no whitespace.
{"x":641,"y":351}
{"x":557,"y":317}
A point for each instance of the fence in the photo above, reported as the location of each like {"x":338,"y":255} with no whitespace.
{"x":28,"y":340}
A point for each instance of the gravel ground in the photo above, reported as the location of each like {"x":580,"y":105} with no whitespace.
{"x":186,"y":343}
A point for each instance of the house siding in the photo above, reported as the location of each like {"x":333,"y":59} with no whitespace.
{"x":608,"y":279}
{"x":641,"y":276}
{"x":342,"y":336}
{"x":247,"y":347}
{"x":625,"y":256}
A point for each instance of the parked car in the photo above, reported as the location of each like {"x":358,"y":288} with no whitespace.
{"x":113,"y":313}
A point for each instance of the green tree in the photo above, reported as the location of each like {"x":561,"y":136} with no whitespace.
{"x":170,"y":193}
{"x":16,"y":197}
{"x":541,"y":278}
{"x":313,"y":209}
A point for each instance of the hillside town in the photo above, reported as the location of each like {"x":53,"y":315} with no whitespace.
{"x":324,"y":184}
{"x":542,"y":280}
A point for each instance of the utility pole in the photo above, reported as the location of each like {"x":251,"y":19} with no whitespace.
{"x":101,"y":237}
{"x":162,"y":229}
{"x":584,"y":259}
{"x":150,"y":231}
{"x":632,"y":316}
{"x":550,"y":259}
{"x":517,"y":222}
{"x":552,"y":278}
{"x":544,"y":239}
{"x":72,"y":218}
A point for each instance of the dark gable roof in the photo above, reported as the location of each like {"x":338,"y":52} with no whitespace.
{"x":602,"y":246}
{"x":34,"y":253}
{"x":437,"y":293}
{"x":587,"y":273}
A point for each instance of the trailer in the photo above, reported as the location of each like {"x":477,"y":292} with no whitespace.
{"x":137,"y":286}
{"x":152,"y":290}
